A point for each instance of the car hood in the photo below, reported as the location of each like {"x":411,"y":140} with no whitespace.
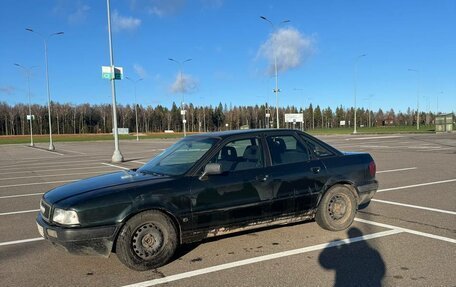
{"x":121,"y":179}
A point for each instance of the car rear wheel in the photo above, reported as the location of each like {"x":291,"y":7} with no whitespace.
{"x":337,"y":209}
{"x":147,"y":241}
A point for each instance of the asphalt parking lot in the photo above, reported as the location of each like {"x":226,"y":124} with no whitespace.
{"x":406,"y":237}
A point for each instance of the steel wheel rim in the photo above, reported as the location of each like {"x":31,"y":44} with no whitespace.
{"x":337,"y":207}
{"x":147,"y":241}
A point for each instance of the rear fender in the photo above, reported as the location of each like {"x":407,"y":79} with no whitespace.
{"x":339,"y":181}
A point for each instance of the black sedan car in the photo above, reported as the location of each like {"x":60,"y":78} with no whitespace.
{"x":207,"y":185}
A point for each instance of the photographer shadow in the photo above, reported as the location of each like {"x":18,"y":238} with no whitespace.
{"x":356,"y":264}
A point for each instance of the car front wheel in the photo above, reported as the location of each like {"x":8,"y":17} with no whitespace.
{"x":337,"y":209}
{"x":147,"y":241}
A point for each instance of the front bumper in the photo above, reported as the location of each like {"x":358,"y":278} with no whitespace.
{"x":80,"y":241}
{"x":367,"y":191}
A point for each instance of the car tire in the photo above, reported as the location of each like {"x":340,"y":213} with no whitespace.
{"x":337,"y":209}
{"x":147,"y":241}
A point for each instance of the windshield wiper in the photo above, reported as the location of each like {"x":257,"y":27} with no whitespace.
{"x":158,"y":173}
{"x":151,"y":172}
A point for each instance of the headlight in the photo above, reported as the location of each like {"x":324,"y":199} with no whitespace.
{"x":67,"y":217}
{"x":42,"y":209}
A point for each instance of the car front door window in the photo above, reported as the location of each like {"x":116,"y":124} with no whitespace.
{"x":239,"y":155}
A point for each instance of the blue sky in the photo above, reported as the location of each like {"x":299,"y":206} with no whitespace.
{"x":229,"y":46}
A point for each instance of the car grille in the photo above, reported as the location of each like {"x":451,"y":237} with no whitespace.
{"x":45,"y":209}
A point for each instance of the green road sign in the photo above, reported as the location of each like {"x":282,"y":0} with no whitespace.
{"x":106,"y":73}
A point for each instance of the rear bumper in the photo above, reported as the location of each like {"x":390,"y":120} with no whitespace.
{"x":80,"y":241}
{"x":367,"y":191}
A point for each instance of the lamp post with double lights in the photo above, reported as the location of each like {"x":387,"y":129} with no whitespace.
{"x":181,"y":63}
{"x":136,"y":104}
{"x":417,"y":97}
{"x":355,"y":75}
{"x":276,"y":90}
{"x":28,"y":73}
{"x":117,"y":155}
{"x":45,"y":38}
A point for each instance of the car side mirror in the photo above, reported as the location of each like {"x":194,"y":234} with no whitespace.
{"x":211,"y":168}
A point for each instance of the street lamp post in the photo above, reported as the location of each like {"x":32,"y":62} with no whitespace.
{"x":313,"y":118}
{"x":45,"y":38}
{"x":74,"y":119}
{"x":28,"y":72}
{"x":437,"y":111}
{"x":117,"y":155}
{"x":136,"y":104}
{"x":303,"y":109}
{"x":355,"y":74}
{"x":369,"y":99}
{"x":417,"y":98}
{"x":184,"y":121}
{"x":276,"y":90}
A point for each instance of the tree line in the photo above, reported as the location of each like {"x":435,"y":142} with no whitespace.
{"x":85,"y":118}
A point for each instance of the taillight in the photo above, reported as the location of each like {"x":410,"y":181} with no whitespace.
{"x":372,"y":168}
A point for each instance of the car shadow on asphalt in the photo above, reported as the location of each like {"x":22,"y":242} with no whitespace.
{"x":183,"y":249}
{"x":355,"y":264}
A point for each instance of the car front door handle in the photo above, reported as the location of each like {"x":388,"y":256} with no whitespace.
{"x":262,"y":178}
{"x":315,"y":169}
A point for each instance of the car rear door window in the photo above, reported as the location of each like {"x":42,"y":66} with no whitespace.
{"x":286,"y":149}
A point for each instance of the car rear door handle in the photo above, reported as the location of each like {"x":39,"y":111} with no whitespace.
{"x":262,"y":178}
{"x":315,"y":169}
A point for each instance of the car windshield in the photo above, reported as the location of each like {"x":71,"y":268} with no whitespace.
{"x":179,"y":158}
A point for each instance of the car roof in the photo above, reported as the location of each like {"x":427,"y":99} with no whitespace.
{"x":225,"y":134}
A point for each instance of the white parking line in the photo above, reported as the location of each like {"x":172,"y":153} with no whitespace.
{"x":21,"y":195}
{"x":414,"y":206}
{"x":52,"y":175}
{"x":37,"y":183}
{"x":76,"y":152}
{"x":20,"y":241}
{"x":429,"y":235}
{"x":398,"y":169}
{"x":19,"y":212}
{"x":417,"y":185}
{"x":53,"y":152}
{"x":261,"y":258}
{"x":371,"y":138}
{"x":424,"y":147}
{"x":47,"y":163}
{"x":137,"y":161}
{"x":438,"y":149}
{"x":117,"y":166}
{"x":47,"y":170}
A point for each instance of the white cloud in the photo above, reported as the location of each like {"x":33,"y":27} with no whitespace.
{"x":160,"y":8}
{"x":289,"y":46}
{"x":80,"y":14}
{"x":8,"y":90}
{"x":123,"y":22}
{"x":212,"y":4}
{"x":140,"y":71}
{"x":75,"y":12}
{"x":184,"y":84}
